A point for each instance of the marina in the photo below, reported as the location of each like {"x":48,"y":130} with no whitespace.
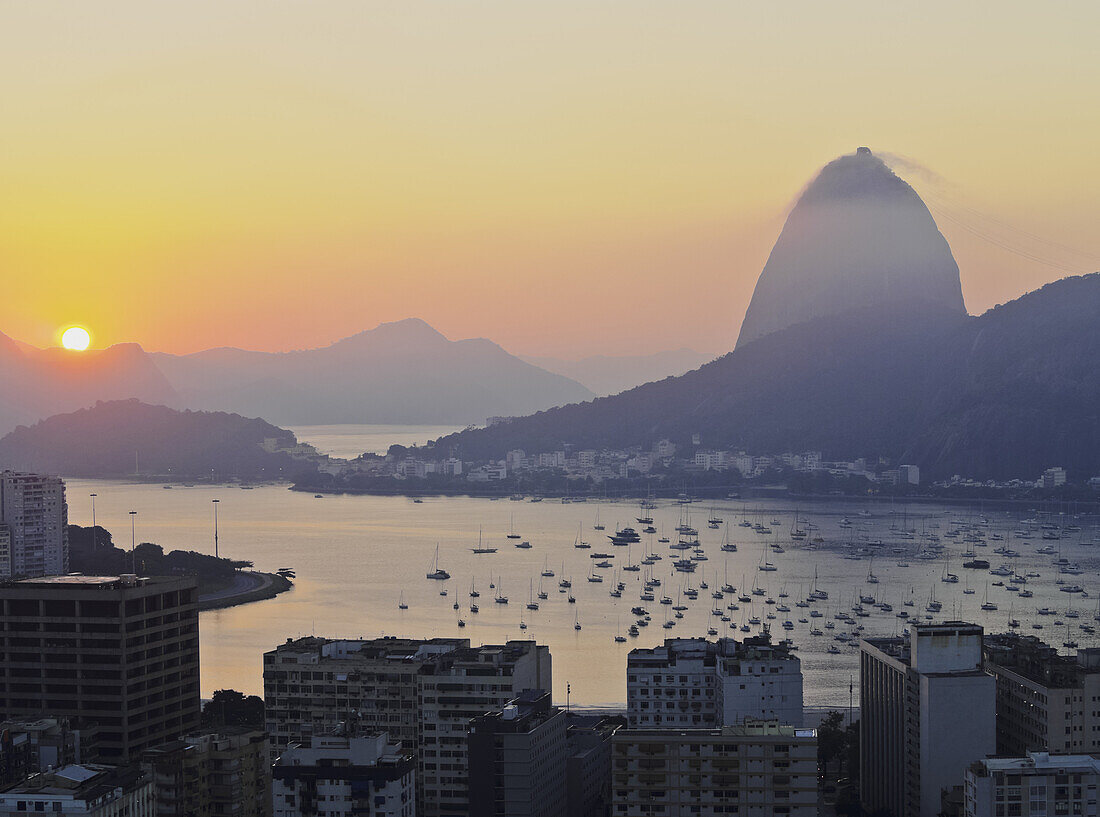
{"x":358,"y":559}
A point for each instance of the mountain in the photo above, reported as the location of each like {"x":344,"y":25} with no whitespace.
{"x":859,"y":236}
{"x":1003,"y":395}
{"x":401,"y":372}
{"x":38,"y":383}
{"x":604,"y":374}
{"x":110,"y":439}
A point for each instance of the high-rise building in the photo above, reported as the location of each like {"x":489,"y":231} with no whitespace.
{"x":211,"y":775}
{"x":32,"y":509}
{"x":118,"y":651}
{"x":423,"y":693}
{"x":1036,"y":785}
{"x":754,"y":769}
{"x":1046,"y":702}
{"x":692,"y":682}
{"x":342,"y":776}
{"x":926,"y":713}
{"x":518,"y":759}
{"x":588,"y":764}
{"x":87,"y":790}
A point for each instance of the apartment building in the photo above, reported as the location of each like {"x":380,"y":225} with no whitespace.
{"x":210,"y":775}
{"x":926,"y":714}
{"x":518,"y":759}
{"x":1046,"y":702}
{"x":344,"y":776}
{"x":1036,"y":785}
{"x":88,"y":790}
{"x":755,"y":769}
{"x":35,"y":517}
{"x":422,"y":692}
{"x":693,"y":682}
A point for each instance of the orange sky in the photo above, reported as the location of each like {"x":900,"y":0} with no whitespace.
{"x":565,"y":178}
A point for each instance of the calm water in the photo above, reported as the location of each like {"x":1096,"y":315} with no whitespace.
{"x":355,"y":555}
{"x":349,"y":441}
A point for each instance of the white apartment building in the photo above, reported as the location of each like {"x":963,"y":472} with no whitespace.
{"x":927,"y":711}
{"x":339,"y":776}
{"x":692,"y":682}
{"x":1037,"y":785}
{"x":33,"y":510}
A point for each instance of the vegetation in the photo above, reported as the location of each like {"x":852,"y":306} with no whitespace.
{"x":125,"y":438}
{"x":94,"y":553}
{"x":231,"y":708}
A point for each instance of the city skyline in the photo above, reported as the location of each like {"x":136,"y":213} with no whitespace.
{"x":406,"y":161}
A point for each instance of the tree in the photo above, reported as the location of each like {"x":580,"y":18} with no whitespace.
{"x":831,"y":740}
{"x":231,"y":708}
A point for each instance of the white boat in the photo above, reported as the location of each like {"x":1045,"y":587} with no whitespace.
{"x":435,"y":571}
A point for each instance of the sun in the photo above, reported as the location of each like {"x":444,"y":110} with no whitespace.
{"x":76,"y":338}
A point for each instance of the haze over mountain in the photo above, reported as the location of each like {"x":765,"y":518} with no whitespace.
{"x":611,"y":374}
{"x":859,"y":236}
{"x":1003,"y":395}
{"x":400,"y":372}
{"x":38,"y":383}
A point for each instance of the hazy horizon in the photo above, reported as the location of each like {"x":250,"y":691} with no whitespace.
{"x":567,"y":181}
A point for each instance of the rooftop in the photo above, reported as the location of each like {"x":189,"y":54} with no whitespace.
{"x":88,"y":782}
{"x":1038,"y":763}
{"x":749,"y":729}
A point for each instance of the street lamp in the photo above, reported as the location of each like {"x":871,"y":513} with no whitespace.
{"x":215,"y":502}
{"x":94,"y":538}
{"x":133,"y":542}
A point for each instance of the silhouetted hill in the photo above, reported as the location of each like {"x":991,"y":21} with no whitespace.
{"x":1002,"y":395}
{"x":109,"y":439}
{"x":402,"y":372}
{"x":859,"y":236}
{"x":38,"y":383}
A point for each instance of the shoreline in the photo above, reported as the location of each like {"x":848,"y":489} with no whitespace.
{"x":251,"y":586}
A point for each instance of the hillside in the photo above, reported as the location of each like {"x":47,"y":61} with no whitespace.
{"x":113,"y":439}
{"x":611,"y":374}
{"x":1002,"y":395}
{"x":403,"y":372}
{"x":38,"y":383}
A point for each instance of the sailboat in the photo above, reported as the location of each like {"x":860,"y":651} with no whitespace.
{"x":546,"y":571}
{"x":619,"y":637}
{"x":512,"y":529}
{"x":987,"y":604}
{"x":473,"y":590}
{"x":577,"y":543}
{"x":765,"y":565}
{"x":531,"y":603}
{"x":727,"y":545}
{"x":481,"y":548}
{"x":542,"y":593}
{"x":576,"y":621}
{"x":598,"y":525}
{"x":435,"y":571}
{"x":401,"y":602}
{"x":500,"y":598}
{"x":871,"y":577}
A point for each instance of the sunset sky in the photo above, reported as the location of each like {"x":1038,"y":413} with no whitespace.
{"x":565,"y":178}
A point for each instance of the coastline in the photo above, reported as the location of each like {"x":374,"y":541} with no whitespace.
{"x":248,"y":587}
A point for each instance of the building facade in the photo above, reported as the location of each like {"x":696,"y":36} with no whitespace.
{"x":118,"y":651}
{"x":36,"y":745}
{"x":36,"y":520}
{"x":1046,"y":702}
{"x":588,"y":763}
{"x":518,"y":759}
{"x":422,"y":692}
{"x":1035,"y":785}
{"x":751,"y":770}
{"x":224,"y":773}
{"x":692,"y":682}
{"x":88,"y":790}
{"x":914,"y":694}
{"x":341,"y":776}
